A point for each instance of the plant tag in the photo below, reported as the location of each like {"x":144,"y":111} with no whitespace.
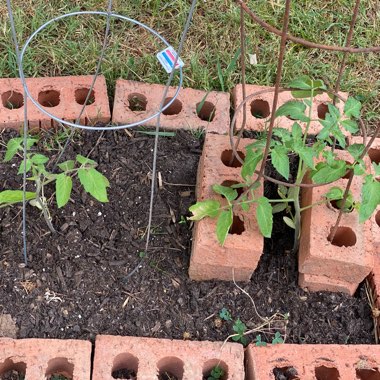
{"x":167,"y":58}
{"x":252,"y":59}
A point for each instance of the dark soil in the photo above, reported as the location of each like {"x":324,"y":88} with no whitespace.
{"x":75,"y":284}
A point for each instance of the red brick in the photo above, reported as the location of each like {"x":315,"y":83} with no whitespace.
{"x":317,"y":256}
{"x":149,"y":357}
{"x":320,"y":361}
{"x":315,"y":283}
{"x":181,"y":114}
{"x":65,"y":93}
{"x":43,"y":357}
{"x":241,"y":252}
{"x":263,"y":104}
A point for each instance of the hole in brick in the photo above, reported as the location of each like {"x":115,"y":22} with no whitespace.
{"x":374,"y":155}
{"x":174,"y":109}
{"x":226,"y":158}
{"x":260,"y":109}
{"x":229,"y":183}
{"x":285,"y":373}
{"x":125,"y":366}
{"x":326,"y":373}
{"x":170,"y":368}
{"x":49,"y":98}
{"x":137,"y":102}
{"x":322,"y":110}
{"x":210,"y":365}
{"x":368,"y":373}
{"x":237,"y":227}
{"x":10,"y":370}
{"x":377,"y":218}
{"x":81,"y":95}
{"x":344,"y":237}
{"x":12,"y":100}
{"x":59,"y":369}
{"x":207,"y":111}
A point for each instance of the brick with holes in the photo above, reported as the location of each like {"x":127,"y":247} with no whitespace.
{"x":348,"y":257}
{"x":192,"y":109}
{"x":41,"y":358}
{"x":150,"y":358}
{"x":258,"y":109}
{"x":313,"y":361}
{"x":239,"y":256}
{"x":63,"y":97}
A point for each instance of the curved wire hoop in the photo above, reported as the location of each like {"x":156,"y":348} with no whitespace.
{"x":97,"y":128}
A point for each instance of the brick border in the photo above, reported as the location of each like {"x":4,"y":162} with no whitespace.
{"x":42,"y":357}
{"x":61,"y":96}
{"x":182,"y":114}
{"x":188,"y":360}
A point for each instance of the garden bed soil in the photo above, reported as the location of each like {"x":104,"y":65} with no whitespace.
{"x":75,"y":284}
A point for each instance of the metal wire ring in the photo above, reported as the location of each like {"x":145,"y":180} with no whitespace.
{"x":65,"y":122}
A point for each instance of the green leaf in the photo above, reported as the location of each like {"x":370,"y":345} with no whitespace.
{"x":301,"y":83}
{"x":27,"y":166}
{"x":294,"y":110}
{"x":376,"y":168}
{"x":352,"y":108}
{"x":220,"y":75}
{"x":356,"y":150}
{"x":264,"y":216}
{"x":15,"y":196}
{"x":229,"y":193}
{"x":289,"y":222}
{"x":279,"y":207}
{"x":277,"y":338}
{"x":329,"y":173}
{"x":94,"y":183}
{"x":280,"y":161}
{"x":202,"y":209}
{"x":225,"y":315}
{"x":307,"y":154}
{"x":39,"y":159}
{"x":161,"y":133}
{"x":67,"y":165}
{"x":84,"y":160}
{"x":259,"y":342}
{"x":334,"y":193}
{"x":252,"y":158}
{"x":333,"y":111}
{"x":306,"y":87}
{"x":223,"y":225}
{"x":63,"y":187}
{"x":244,"y":206}
{"x":296,"y":131}
{"x":359,"y":168}
{"x":370,"y":198}
{"x":283,"y":133}
{"x":350,"y":125}
{"x":15,"y":145}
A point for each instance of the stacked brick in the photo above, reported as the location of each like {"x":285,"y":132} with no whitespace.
{"x":149,"y":358}
{"x":319,"y":362}
{"x":258,"y":109}
{"x":37,"y":359}
{"x":239,"y":256}
{"x":62,"y":97}
{"x":192,"y":109}
{"x":341,"y":264}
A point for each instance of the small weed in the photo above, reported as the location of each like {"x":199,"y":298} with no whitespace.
{"x":216,"y":373}
{"x":239,"y":328}
{"x":225,"y":315}
{"x":259,"y":342}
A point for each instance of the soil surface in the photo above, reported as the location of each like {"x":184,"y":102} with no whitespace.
{"x":75,"y":284}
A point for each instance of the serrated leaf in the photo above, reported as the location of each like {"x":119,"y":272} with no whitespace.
{"x":307,"y":155}
{"x":252,"y":158}
{"x":370,"y":198}
{"x":202,"y":209}
{"x":244,"y":206}
{"x":27,"y":166}
{"x":294,"y":110}
{"x":15,"y":145}
{"x":15,"y":196}
{"x":306,"y":87}
{"x":301,"y":83}
{"x":334,"y":193}
{"x":223,"y":225}
{"x":352,"y":108}
{"x":229,"y":193}
{"x":63,"y":187}
{"x":289,"y":222}
{"x":333,"y":111}
{"x":94,"y":183}
{"x":350,"y":125}
{"x":296,"y":131}
{"x":280,"y":161}
{"x":67,"y":165}
{"x":39,"y":159}
{"x":84,"y":160}
{"x":329,"y":173}
{"x":283,"y":133}
{"x":279,"y":207}
{"x":356,"y":150}
{"x":376,"y":168}
{"x":264,"y":216}
{"x":359,"y":168}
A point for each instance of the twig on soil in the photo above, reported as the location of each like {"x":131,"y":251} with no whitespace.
{"x":375,"y":310}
